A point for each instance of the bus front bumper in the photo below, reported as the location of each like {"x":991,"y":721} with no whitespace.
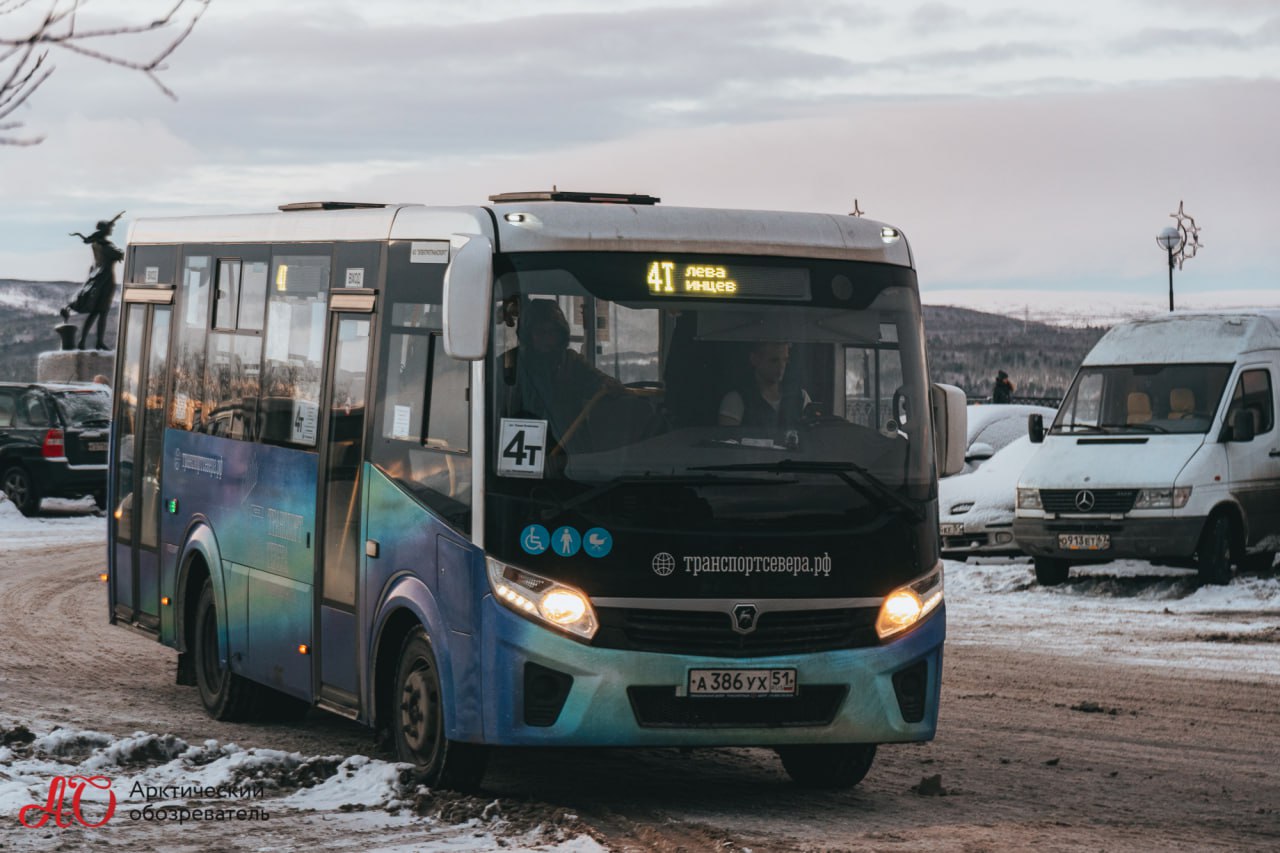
{"x":630,"y":698}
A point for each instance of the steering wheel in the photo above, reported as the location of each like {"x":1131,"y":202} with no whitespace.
{"x":815,"y":414}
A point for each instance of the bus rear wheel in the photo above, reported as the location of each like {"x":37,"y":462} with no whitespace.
{"x":417,"y":722}
{"x":829,"y":766}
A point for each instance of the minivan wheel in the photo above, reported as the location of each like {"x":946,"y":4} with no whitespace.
{"x":21,"y":489}
{"x":1213,"y":556}
{"x":1051,"y":571}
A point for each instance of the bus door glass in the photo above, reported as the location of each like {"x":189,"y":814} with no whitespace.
{"x":139,"y":436}
{"x":340,"y":515}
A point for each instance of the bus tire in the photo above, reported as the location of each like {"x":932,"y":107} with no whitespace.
{"x":1051,"y":571}
{"x":20,"y":488}
{"x":225,"y":695}
{"x":829,"y":766}
{"x":417,"y":722}
{"x":1213,"y":556}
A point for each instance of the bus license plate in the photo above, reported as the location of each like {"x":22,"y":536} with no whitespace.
{"x":96,"y":446}
{"x":950,"y":529}
{"x":1084,"y":541}
{"x":742,"y":682}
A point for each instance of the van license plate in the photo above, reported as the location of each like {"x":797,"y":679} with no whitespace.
{"x":742,"y":682}
{"x":96,"y":446}
{"x":950,"y":529}
{"x":1084,"y":541}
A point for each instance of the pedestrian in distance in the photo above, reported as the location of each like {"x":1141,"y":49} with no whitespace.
{"x":1002,"y":392}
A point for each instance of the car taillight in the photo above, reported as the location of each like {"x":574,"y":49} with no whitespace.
{"x":53,"y":447}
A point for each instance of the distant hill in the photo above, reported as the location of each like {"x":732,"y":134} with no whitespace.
{"x":28,"y":313}
{"x":967,"y":347}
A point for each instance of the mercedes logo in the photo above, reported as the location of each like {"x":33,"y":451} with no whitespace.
{"x":744,"y":618}
{"x":1084,"y":500}
{"x":663,"y":564}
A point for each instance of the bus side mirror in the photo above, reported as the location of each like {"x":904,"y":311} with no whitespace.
{"x":468,"y":297}
{"x":1035,"y":428}
{"x":949,"y":428}
{"x":1242,"y":426}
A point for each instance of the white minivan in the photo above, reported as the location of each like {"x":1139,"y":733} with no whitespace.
{"x":1166,"y":449}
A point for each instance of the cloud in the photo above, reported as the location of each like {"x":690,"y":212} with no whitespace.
{"x":1152,"y":39}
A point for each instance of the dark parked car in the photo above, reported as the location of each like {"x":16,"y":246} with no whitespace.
{"x":53,"y":442}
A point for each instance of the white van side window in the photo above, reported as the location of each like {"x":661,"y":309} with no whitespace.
{"x":1253,"y":394}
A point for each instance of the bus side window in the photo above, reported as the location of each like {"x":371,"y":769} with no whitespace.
{"x":189,"y":358}
{"x":297,"y":316}
{"x":424,"y":427}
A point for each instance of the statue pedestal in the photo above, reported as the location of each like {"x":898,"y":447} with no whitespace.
{"x":75,"y":365}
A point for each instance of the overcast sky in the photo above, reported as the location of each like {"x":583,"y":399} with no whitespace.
{"x":1022,"y":148}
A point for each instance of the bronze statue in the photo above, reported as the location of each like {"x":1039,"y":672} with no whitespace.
{"x":94,"y":299}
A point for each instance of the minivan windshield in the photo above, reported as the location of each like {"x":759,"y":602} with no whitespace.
{"x":1143,"y":398}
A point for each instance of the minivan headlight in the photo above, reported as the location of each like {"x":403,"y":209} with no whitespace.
{"x":542,"y":599}
{"x":1174,"y":498}
{"x":908,"y":604}
{"x":1029,"y":498}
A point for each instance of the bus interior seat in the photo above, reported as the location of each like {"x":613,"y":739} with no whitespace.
{"x":1182,"y":404}
{"x":1138,"y":406}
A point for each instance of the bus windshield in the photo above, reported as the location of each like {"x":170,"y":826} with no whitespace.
{"x":697,"y":393}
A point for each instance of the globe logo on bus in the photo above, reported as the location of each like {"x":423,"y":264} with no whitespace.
{"x":663,"y":564}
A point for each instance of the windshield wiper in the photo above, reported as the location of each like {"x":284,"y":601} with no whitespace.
{"x":591,"y":494}
{"x":1102,"y":428}
{"x":1140,"y":427}
{"x":868,"y":485}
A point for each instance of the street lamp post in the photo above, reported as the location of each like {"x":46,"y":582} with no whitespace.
{"x":1180,"y":242}
{"x":1172,"y":242}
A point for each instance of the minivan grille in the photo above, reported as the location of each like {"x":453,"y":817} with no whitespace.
{"x":1105,"y":501}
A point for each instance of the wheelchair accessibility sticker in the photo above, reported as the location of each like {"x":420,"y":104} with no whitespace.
{"x":535,"y":539}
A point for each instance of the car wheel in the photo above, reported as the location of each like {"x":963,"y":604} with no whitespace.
{"x":21,"y":489}
{"x":829,"y":766}
{"x":418,"y":722}
{"x":1213,"y":557}
{"x":1051,"y":571}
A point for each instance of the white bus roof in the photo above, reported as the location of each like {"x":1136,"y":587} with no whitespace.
{"x":1200,"y":337}
{"x":543,"y":226}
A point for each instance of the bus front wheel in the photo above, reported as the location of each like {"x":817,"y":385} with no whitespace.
{"x":829,"y":766}
{"x":418,"y":722}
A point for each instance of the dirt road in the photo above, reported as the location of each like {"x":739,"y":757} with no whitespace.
{"x":1034,"y":751}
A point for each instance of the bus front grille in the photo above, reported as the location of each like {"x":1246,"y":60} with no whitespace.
{"x":660,"y":707}
{"x":710,"y":632}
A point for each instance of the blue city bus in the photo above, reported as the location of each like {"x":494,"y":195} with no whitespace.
{"x":567,"y":469}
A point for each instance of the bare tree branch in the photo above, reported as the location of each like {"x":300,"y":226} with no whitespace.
{"x":23,"y":66}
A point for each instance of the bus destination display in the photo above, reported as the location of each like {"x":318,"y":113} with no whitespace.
{"x":726,"y":281}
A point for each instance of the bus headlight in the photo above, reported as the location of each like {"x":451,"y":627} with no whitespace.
{"x":542,"y":599}
{"x":1175,"y":498}
{"x":1029,"y":498}
{"x":908,"y":604}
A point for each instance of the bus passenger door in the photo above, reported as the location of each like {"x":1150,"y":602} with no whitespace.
{"x":138,"y":443}
{"x":340,"y":511}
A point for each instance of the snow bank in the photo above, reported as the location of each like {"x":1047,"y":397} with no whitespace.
{"x":61,"y":523}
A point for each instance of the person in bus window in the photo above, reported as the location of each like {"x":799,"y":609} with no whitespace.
{"x":547,"y":379}
{"x":762,"y":400}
